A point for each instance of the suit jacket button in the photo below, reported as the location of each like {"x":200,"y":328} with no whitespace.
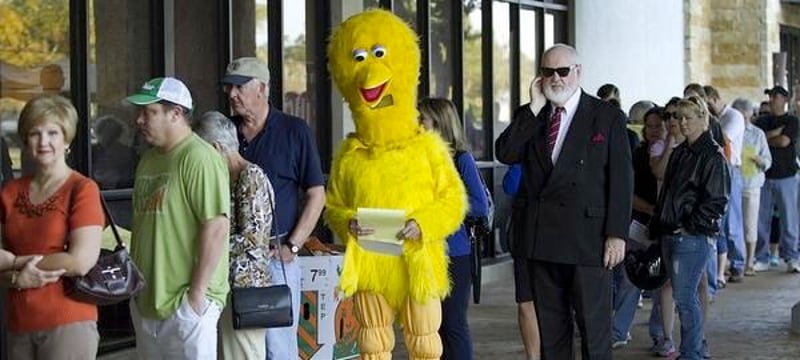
{"x":580,"y":162}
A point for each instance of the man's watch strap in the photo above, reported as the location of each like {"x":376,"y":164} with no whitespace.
{"x":293,"y":248}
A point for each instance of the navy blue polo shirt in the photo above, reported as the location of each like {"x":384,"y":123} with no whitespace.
{"x":285,"y":149}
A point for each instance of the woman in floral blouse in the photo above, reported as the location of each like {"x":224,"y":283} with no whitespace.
{"x":251,"y":224}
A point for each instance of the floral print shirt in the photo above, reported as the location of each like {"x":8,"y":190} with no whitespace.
{"x":252,"y":201}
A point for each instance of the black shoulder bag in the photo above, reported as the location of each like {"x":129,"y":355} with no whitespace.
{"x":112,"y":279}
{"x":263,"y":307}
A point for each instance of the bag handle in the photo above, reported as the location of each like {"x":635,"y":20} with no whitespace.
{"x":277,"y":236}
{"x":109,"y":218}
{"x":120,"y":244}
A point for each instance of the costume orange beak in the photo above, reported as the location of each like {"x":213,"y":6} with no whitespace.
{"x":373,"y":84}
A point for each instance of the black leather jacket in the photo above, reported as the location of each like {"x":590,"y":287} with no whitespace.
{"x":695,"y":190}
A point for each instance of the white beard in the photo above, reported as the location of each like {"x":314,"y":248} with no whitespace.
{"x":558,"y":96}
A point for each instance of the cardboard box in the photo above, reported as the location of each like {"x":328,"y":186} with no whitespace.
{"x":328,"y":327}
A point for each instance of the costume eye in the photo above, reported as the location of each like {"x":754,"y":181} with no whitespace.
{"x":379,"y":51}
{"x":359,"y":54}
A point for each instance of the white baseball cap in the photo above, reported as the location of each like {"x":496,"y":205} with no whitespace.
{"x":163,"y":89}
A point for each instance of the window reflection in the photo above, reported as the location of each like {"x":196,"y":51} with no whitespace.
{"x":549,"y":30}
{"x":473,"y":105}
{"x":34,"y":59}
{"x":441,"y":68}
{"x":501,"y":53}
{"x":527,"y":52}
{"x":119,"y":63}
{"x":295,"y":73}
{"x":407,"y":10}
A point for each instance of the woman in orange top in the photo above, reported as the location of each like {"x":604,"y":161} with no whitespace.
{"x":55,"y":213}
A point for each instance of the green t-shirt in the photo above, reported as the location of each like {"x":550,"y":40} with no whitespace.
{"x":174,"y":194}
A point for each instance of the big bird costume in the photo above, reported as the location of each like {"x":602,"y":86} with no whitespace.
{"x":391,"y":162}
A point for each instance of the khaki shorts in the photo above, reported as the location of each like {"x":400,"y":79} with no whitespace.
{"x":56,"y":343}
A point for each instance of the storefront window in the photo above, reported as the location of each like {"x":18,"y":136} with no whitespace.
{"x":527,"y":53}
{"x":34,"y":59}
{"x":407,"y":10}
{"x":501,"y":55}
{"x":441,"y":57}
{"x":472,"y":60}
{"x":295,"y":55}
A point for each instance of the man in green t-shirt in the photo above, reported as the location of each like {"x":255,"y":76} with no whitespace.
{"x":181,"y":199}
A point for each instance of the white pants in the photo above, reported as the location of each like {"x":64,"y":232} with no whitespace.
{"x":247,"y":344}
{"x":751,"y":200}
{"x":184,"y":335}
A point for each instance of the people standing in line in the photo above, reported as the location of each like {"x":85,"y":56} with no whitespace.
{"x":645,"y":193}
{"x":179,"y":235}
{"x":780,"y":186}
{"x":252,"y":202}
{"x":440,"y":116}
{"x":686,"y":218}
{"x":575,"y":202}
{"x":284,"y":147}
{"x":51,"y":224}
{"x":756,"y":159}
{"x":733,"y":125}
{"x":662,"y":314}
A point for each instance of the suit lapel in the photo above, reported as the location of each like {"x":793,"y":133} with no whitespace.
{"x":540,"y":142}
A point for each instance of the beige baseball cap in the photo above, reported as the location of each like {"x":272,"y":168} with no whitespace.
{"x":244,"y":69}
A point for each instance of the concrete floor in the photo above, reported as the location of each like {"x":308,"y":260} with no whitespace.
{"x":748,"y":321}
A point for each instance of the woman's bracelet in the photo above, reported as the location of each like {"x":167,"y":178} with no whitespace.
{"x":14,"y":278}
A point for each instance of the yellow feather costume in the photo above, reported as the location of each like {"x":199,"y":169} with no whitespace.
{"x":390,"y":162}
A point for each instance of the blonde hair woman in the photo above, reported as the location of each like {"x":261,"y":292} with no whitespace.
{"x":440,"y":116}
{"x":51,"y":223}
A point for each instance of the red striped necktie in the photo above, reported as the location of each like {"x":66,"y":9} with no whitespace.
{"x":552,"y":131}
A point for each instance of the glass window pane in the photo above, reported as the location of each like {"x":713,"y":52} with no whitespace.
{"x":371,"y":4}
{"x":119,"y":63}
{"x":407,"y":10}
{"x":295,"y":79}
{"x":473,"y":105}
{"x":501,"y":57}
{"x":441,"y":68}
{"x":34,"y":59}
{"x":262,"y":31}
{"x":527,"y":53}
{"x":549,"y":30}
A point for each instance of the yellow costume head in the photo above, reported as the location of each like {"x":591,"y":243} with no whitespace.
{"x":374,"y":59}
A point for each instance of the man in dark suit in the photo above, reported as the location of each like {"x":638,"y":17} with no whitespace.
{"x":573,"y":207}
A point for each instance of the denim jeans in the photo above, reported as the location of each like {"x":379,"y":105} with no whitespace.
{"x":656,"y":325}
{"x":784,"y":193}
{"x":735,"y":229}
{"x":686,"y":256}
{"x":454,"y":331}
{"x":625,"y":300}
{"x":282,"y":342}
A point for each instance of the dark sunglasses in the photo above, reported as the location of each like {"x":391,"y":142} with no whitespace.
{"x":562,"y":71}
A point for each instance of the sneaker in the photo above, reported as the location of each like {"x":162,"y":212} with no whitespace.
{"x":793,"y":267}
{"x":706,"y":351}
{"x":621,"y":343}
{"x":665,"y":348}
{"x":774,"y":261}
{"x":640,"y":304}
{"x":761,"y":266}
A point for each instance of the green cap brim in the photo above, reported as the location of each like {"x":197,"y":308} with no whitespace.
{"x":143,"y":99}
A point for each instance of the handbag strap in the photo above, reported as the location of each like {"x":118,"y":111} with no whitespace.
{"x":277,"y":238}
{"x":110,"y":219}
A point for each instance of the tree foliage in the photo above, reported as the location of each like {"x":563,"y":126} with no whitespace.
{"x":33,"y":32}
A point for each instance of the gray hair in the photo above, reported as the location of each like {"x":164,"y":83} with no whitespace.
{"x":571,"y":50}
{"x":214,"y":127}
{"x":746,"y":107}
{"x":637,"y":111}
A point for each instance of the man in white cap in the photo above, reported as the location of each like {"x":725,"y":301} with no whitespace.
{"x":284,"y":147}
{"x":181,"y":200}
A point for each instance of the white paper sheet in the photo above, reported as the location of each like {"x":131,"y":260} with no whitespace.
{"x":387,"y":223}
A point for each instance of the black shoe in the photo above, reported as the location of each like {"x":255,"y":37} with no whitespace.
{"x":736,"y":277}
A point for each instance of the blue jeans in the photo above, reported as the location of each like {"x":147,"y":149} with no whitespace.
{"x":735,"y":229}
{"x":656,"y":325}
{"x":784,"y":193}
{"x":282,"y":342}
{"x":626,"y":298}
{"x":454,"y":331}
{"x":686,"y":257}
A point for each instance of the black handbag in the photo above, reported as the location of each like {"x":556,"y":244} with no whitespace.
{"x":263,"y":307}
{"x":112,"y":279}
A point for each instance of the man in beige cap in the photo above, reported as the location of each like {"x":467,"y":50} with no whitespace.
{"x":284,"y":147}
